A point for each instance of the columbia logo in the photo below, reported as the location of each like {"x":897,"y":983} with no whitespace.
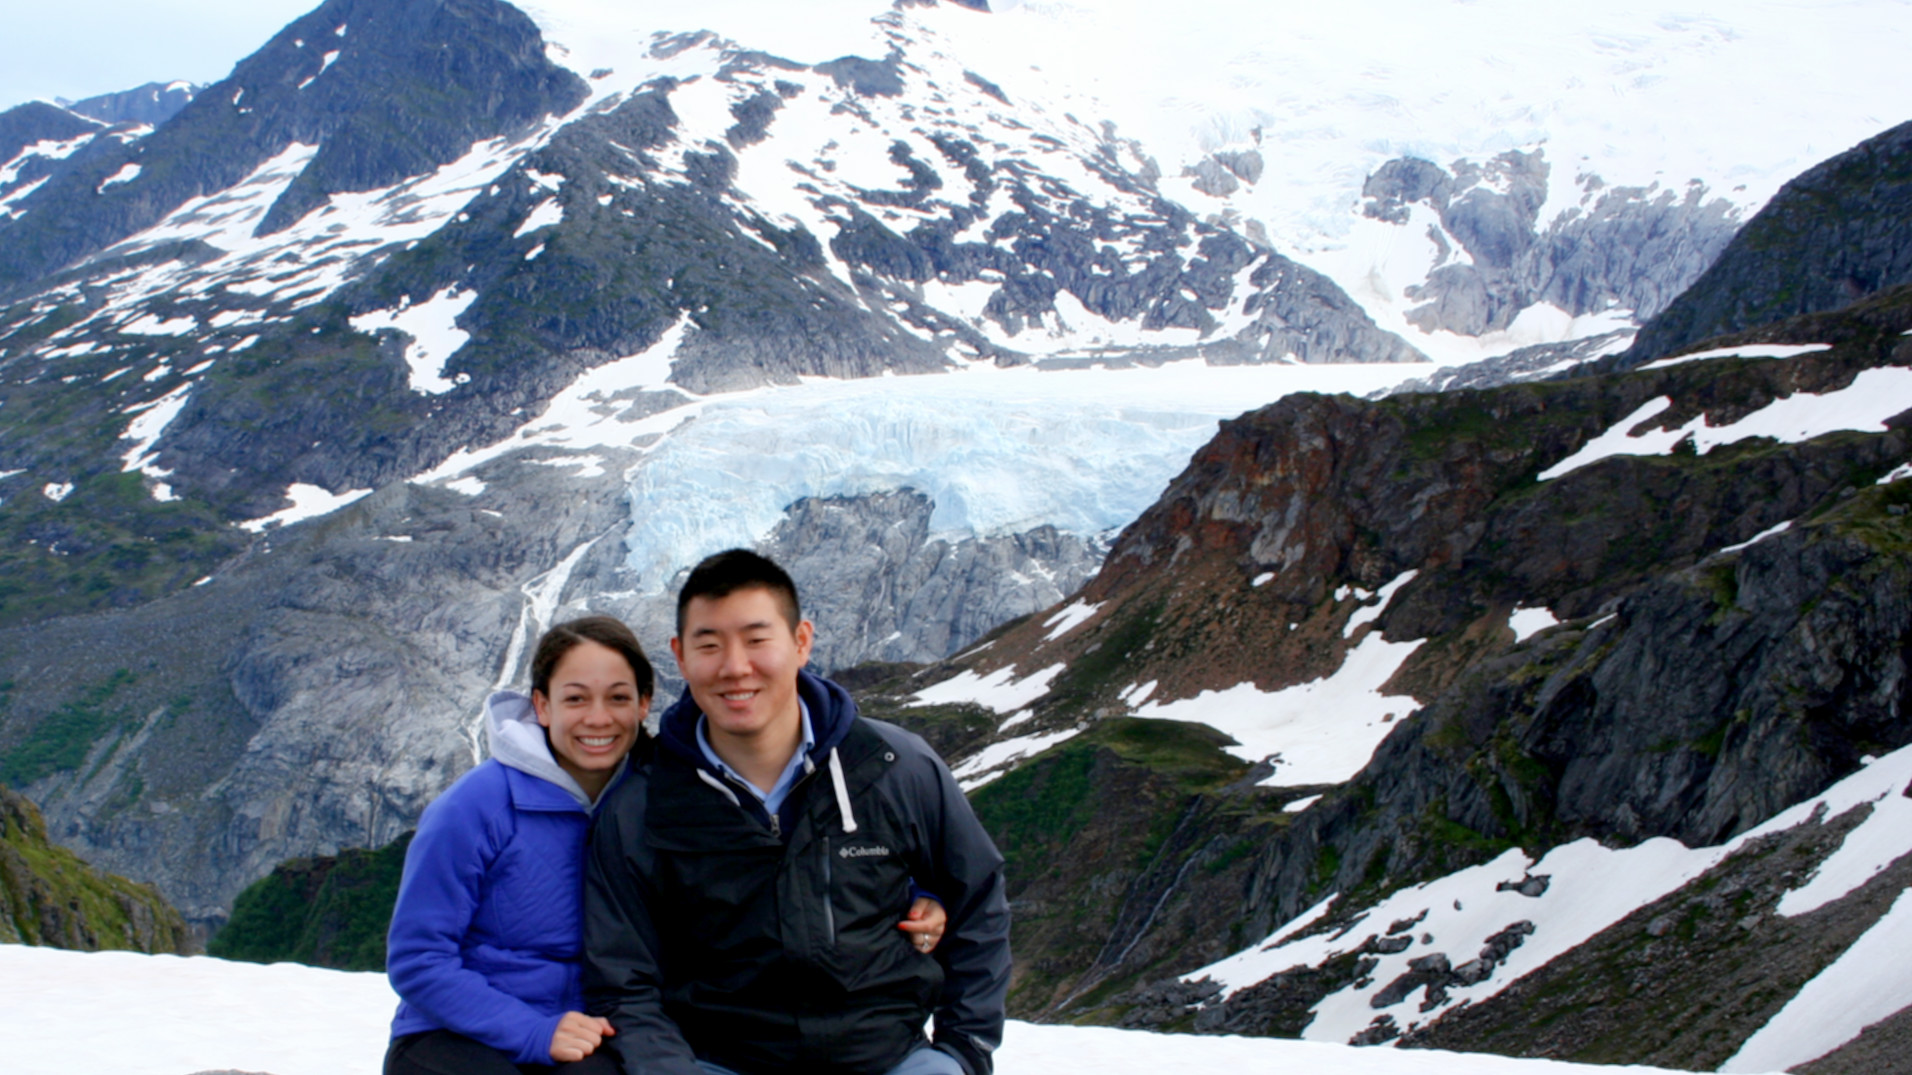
{"x":863,"y":852}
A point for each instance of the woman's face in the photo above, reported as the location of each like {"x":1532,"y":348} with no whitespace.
{"x":592,"y":713}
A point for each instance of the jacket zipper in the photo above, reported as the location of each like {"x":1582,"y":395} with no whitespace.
{"x":829,"y":912}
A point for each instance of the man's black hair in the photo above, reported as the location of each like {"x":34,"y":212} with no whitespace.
{"x":719,"y":575}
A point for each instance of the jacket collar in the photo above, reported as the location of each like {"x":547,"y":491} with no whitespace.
{"x":832,"y":711}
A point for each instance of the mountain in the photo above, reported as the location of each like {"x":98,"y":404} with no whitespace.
{"x":512,"y":356}
{"x":1558,"y":718}
{"x":49,"y":897}
{"x":439,"y":321}
{"x":1830,"y":237}
{"x":151,"y":104}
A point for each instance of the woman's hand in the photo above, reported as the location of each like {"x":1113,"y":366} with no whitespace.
{"x":925,"y":924}
{"x":578,"y":1036}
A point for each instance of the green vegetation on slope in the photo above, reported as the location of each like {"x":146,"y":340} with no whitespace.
{"x":49,"y":897}
{"x":329,"y":911}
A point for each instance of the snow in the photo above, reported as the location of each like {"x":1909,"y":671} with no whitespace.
{"x":1761,"y":536}
{"x":57,"y":491}
{"x":545,"y":214}
{"x":1369,"y":613}
{"x":1874,"y":396}
{"x":1300,"y":804}
{"x":1068,"y":619}
{"x":148,"y":425}
{"x":126,"y":174}
{"x":1319,"y":732}
{"x":434,"y":334}
{"x":1590,"y":888}
{"x":1000,"y":690}
{"x":172,"y":1015}
{"x":308,"y":502}
{"x":1883,"y":837}
{"x":996,"y":759}
{"x":1900,"y":472}
{"x":1528,"y":622}
{"x":467,"y":485}
{"x":1754,"y":350}
{"x":1867,"y":983}
{"x":1328,"y":93}
{"x":1263,"y":579}
{"x":997,"y":451}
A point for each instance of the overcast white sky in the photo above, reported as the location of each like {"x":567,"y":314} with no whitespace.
{"x":78,"y":48}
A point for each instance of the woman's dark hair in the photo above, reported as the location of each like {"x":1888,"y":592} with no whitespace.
{"x":607,"y":631}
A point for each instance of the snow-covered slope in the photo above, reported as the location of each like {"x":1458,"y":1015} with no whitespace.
{"x":1519,"y":912}
{"x":1639,"y":94}
{"x":172,"y":1015}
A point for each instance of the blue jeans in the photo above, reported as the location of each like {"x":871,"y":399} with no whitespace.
{"x":924,"y":1061}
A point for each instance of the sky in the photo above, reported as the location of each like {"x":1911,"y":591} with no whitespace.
{"x":79,"y":48}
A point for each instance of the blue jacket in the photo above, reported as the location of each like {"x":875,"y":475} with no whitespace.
{"x":487,"y":931}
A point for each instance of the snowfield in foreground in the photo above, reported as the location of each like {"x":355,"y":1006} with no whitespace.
{"x":133,"y":1014}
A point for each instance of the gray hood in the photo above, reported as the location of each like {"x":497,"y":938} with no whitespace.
{"x":517,"y":740}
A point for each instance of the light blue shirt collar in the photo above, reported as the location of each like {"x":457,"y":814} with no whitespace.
{"x":799,"y":762}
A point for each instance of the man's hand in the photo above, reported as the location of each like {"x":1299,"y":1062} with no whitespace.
{"x":578,"y":1036}
{"x":925,"y":924}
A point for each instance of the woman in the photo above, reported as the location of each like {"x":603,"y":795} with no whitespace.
{"x":485,"y":938}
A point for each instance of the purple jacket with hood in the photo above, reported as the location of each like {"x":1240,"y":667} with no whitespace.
{"x":487,"y":932}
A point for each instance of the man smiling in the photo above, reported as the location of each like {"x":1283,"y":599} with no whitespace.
{"x":744,"y":887}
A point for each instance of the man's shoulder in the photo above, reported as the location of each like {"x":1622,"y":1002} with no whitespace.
{"x":907,"y":744}
{"x":626,"y":797}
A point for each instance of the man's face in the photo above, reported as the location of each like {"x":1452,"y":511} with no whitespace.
{"x":740,"y":657}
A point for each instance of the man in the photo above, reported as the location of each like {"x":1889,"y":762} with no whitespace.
{"x":744,"y":886}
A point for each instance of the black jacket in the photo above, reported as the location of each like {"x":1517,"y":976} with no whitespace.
{"x":770,"y":945}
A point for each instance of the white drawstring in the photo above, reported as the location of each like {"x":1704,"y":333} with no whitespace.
{"x":842,"y":792}
{"x":704,"y":774}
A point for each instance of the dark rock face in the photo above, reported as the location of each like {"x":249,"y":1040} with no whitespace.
{"x":1623,"y":248}
{"x":49,"y":897}
{"x":1834,"y":235}
{"x":151,"y":104}
{"x":438,"y":74}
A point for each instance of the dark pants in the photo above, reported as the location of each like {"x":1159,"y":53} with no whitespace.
{"x":441,"y":1052}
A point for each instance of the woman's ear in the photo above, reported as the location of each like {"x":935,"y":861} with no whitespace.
{"x":541,"y":705}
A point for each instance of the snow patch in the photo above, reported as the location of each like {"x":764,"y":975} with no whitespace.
{"x":1000,"y":690}
{"x":1867,"y":983}
{"x":1761,"y":536}
{"x":1068,"y":619}
{"x":1874,"y":396}
{"x":1753,"y":350}
{"x":308,"y":502}
{"x":126,"y":174}
{"x":1370,"y":613}
{"x":434,"y":334}
{"x":1319,"y":732}
{"x":57,"y":491}
{"x":996,"y":759}
{"x":1528,"y":622}
{"x":547,"y":213}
